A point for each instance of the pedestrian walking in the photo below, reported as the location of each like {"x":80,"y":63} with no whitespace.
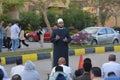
{"x":40,"y":36}
{"x":22,"y":38}
{"x":8,"y":35}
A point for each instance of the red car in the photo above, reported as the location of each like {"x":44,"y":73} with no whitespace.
{"x":32,"y":36}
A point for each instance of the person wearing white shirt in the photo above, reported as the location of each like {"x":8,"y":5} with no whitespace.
{"x":15,"y":30}
{"x":111,"y":66}
{"x":18,"y":68}
{"x":66,"y":69}
{"x":4,"y":71}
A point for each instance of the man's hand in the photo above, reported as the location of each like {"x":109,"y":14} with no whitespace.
{"x":65,"y":39}
{"x":57,"y":37}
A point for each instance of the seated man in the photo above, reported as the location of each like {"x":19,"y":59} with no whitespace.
{"x":95,"y":73}
{"x":111,"y":66}
{"x":86,"y":74}
{"x":66,"y":69}
{"x":59,"y":74}
{"x":1,"y":74}
{"x":16,"y":77}
{"x":18,"y":68}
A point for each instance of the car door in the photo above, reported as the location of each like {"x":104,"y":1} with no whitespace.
{"x":110,"y":35}
{"x":102,"y":34}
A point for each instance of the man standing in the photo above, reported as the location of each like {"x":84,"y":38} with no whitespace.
{"x":15,"y":30}
{"x":1,"y":35}
{"x":111,"y":66}
{"x":60,"y":39}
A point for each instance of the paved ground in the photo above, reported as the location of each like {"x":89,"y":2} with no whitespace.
{"x":32,"y":46}
{"x":44,"y":66}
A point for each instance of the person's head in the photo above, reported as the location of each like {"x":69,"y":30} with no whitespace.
{"x":112,"y":57}
{"x":95,"y":72}
{"x":1,"y":74}
{"x":61,"y":60}
{"x":59,"y":68}
{"x":87,"y":67}
{"x":87,"y":60}
{"x":9,"y":24}
{"x":16,"y":77}
{"x":111,"y":74}
{"x":18,"y":61}
{"x":60,"y":22}
{"x":29,"y":65}
{"x":2,"y":23}
{"x":79,"y":72}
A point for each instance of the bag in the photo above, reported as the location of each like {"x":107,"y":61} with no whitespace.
{"x":1,"y":74}
{"x":60,"y":77}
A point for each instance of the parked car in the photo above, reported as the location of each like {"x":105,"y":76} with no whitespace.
{"x":32,"y":36}
{"x":99,"y":35}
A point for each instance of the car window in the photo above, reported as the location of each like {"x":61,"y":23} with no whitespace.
{"x":110,"y":31}
{"x":90,"y":30}
{"x":103,"y":31}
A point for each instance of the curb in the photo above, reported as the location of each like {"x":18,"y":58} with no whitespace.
{"x":47,"y":55}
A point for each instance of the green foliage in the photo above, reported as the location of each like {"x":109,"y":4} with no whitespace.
{"x":78,"y":18}
{"x":12,"y":4}
{"x":52,"y":17}
{"x":30,"y":18}
{"x":73,"y":32}
{"x":4,"y":17}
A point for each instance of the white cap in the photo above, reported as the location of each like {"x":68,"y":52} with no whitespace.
{"x":59,"y":20}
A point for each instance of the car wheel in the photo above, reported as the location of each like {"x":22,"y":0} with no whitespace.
{"x":31,"y":38}
{"x":94,"y":42}
{"x":115,"y":41}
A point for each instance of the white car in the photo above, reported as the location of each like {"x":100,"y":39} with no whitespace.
{"x":101,"y":35}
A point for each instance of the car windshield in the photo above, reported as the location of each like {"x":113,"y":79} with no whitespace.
{"x":90,"y":30}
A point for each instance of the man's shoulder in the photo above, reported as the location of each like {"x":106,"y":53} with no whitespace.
{"x":66,"y":67}
{"x":83,"y":77}
{"x":111,"y":63}
{"x":17,"y":67}
{"x":1,"y":67}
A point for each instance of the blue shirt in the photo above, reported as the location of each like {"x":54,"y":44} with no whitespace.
{"x":2,"y":32}
{"x":112,"y":78}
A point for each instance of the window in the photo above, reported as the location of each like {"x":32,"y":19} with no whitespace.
{"x":110,"y":31}
{"x":103,"y":31}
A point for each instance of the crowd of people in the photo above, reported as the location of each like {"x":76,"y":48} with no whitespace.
{"x":13,"y":35}
{"x":27,"y":71}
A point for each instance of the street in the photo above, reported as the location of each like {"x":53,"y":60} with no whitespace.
{"x":32,"y":46}
{"x":44,"y":66}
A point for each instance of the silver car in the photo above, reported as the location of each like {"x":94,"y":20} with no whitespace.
{"x":102,"y":35}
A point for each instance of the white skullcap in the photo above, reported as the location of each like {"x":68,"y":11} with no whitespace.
{"x":59,"y":20}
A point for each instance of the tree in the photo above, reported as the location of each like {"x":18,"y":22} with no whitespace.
{"x":43,"y":5}
{"x":30,"y":18}
{"x":11,"y":8}
{"x":74,"y":16}
{"x":106,"y":8}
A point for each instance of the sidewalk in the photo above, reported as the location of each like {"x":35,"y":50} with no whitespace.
{"x":32,"y":46}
